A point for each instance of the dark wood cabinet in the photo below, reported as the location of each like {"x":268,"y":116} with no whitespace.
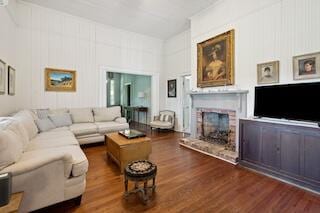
{"x":289,"y":152}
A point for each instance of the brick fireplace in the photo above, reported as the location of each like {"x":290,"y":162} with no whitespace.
{"x":217,"y":126}
{"x":214,"y":123}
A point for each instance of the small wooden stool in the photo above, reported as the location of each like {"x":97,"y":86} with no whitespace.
{"x":140,"y":171}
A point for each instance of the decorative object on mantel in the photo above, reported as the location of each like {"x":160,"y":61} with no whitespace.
{"x":268,"y":73}
{"x":306,"y":66}
{"x":60,"y":80}
{"x":172,"y":88}
{"x":2,"y":77}
{"x":11,"y":81}
{"x":216,"y":61}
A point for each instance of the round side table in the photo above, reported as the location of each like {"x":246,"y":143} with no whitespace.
{"x":140,"y":171}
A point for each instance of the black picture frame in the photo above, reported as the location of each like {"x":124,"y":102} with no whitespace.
{"x":172,"y":88}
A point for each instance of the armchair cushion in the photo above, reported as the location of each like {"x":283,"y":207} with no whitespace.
{"x":161,"y":124}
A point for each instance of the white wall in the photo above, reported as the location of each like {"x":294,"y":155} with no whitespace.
{"x":8,"y":103}
{"x":48,"y":38}
{"x":176,"y":64}
{"x":265,"y":30}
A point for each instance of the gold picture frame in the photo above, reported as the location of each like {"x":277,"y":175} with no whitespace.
{"x":306,"y":66}
{"x":216,"y":61}
{"x":60,"y":80}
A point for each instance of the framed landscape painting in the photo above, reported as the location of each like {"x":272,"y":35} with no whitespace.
{"x":172,"y":88}
{"x":60,"y":80}
{"x":216,"y":61}
{"x":268,"y":73}
{"x":306,"y":66}
{"x":11,"y":81}
{"x":2,"y":77}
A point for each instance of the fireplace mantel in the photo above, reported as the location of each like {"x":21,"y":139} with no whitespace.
{"x":213,"y":92}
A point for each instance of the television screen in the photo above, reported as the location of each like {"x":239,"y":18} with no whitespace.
{"x":291,"y":101}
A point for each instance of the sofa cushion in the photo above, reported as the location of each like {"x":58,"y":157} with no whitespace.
{"x":61,"y":120}
{"x":18,"y":128}
{"x":11,"y":148}
{"x":83,"y":115}
{"x":106,"y":114}
{"x":27,"y":120}
{"x":83,"y":129}
{"x":42,"y":113}
{"x":111,"y":126}
{"x":45,"y":124}
{"x":51,"y":139}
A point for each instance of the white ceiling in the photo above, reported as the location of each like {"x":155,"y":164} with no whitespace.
{"x":157,"y":18}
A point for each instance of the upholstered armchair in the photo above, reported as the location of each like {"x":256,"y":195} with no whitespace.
{"x":165,"y":120}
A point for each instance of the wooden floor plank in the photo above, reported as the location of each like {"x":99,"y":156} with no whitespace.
{"x":187,"y":181}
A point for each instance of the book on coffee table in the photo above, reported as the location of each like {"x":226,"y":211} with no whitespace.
{"x":131,"y":133}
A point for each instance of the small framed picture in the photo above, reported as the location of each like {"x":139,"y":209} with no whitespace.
{"x":172,"y":88}
{"x":268,"y":73}
{"x":11,"y":81}
{"x":306,"y":66}
{"x":2,"y":77}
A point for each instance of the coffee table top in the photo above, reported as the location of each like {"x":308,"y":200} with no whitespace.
{"x":122,"y":141}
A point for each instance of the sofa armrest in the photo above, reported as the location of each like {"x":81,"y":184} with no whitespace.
{"x":28,"y":165}
{"x":121,"y":120}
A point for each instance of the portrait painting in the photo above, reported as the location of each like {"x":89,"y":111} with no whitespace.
{"x":11,"y":81}
{"x":216,"y":61}
{"x":2,"y":77}
{"x":172,"y":88}
{"x":306,"y":66}
{"x":60,"y":80}
{"x":268,"y":73}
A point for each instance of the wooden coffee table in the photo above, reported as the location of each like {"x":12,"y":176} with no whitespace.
{"x":123,"y":151}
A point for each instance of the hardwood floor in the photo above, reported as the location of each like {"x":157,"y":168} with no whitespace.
{"x":187,"y":181}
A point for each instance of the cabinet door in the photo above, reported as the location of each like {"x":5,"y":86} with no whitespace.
{"x":251,"y":142}
{"x":290,"y":152}
{"x":270,"y":147}
{"x":312,"y":157}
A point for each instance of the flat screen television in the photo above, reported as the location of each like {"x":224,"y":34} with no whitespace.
{"x":292,"y":101}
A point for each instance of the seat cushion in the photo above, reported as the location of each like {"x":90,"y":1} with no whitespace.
{"x":82,"y":115}
{"x":47,"y":140}
{"x":161,"y":124}
{"x":83,"y":129}
{"x":106,"y":114}
{"x":105,"y":127}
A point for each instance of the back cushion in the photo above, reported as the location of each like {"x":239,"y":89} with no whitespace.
{"x":17,"y":127}
{"x":27,"y":120}
{"x":106,"y":114}
{"x":11,"y":148}
{"x":83,"y":115}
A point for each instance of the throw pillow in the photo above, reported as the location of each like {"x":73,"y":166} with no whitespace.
{"x":25,"y":117}
{"x":42,"y":113}
{"x":45,"y":124}
{"x":61,"y":120}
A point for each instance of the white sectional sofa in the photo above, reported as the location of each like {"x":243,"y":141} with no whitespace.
{"x":49,"y":166}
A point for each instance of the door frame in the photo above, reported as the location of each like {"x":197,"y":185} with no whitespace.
{"x":155,"y":83}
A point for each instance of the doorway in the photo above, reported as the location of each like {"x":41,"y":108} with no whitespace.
{"x":186,"y":103}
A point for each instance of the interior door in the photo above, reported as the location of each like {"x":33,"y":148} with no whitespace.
{"x":186,"y":102}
